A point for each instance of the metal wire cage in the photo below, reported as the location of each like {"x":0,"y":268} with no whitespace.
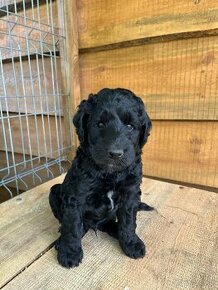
{"x":32,"y":135}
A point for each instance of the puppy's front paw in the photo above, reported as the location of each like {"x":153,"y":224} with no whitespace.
{"x":134,"y":248}
{"x":69,"y":258}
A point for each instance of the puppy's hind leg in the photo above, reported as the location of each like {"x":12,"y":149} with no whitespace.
{"x":55,"y":201}
{"x":111,"y":228}
{"x":145,"y":207}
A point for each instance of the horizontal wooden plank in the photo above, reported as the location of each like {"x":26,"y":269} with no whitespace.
{"x":180,"y":240}
{"x":108,"y":22}
{"x":180,"y":151}
{"x":176,"y":79}
{"x":183,"y":151}
{"x":32,"y":135}
{"x":30,"y":32}
{"x":32,"y":86}
{"x":27,"y":228}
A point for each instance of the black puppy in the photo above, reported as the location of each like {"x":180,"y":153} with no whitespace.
{"x":102,"y":188}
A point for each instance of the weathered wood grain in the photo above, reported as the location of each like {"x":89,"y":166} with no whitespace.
{"x":30,"y":32}
{"x":180,"y":240}
{"x":183,"y":151}
{"x":33,"y":135}
{"x":27,"y":228}
{"x":32,"y":86}
{"x":109,"y":22}
{"x":176,"y":79}
{"x":72,"y":83}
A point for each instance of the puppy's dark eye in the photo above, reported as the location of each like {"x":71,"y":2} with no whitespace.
{"x":130,"y":127}
{"x":100,"y":125}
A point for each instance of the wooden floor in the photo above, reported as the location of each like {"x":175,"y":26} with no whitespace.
{"x":181,"y":239}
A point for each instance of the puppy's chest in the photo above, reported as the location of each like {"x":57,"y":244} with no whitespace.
{"x":107,"y":198}
{"x":101,"y":203}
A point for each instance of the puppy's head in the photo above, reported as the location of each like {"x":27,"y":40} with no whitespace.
{"x":112,"y":127}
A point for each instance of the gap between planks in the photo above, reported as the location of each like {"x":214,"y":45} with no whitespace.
{"x":29,"y":264}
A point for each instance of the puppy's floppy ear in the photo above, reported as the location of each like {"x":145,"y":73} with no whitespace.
{"x":80,"y":120}
{"x":146,"y":123}
{"x":145,"y":130}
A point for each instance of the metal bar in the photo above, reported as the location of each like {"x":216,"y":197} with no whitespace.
{"x":29,"y":160}
{"x":33,"y":102}
{"x":8,"y":122}
{"x":31,"y":39}
{"x":43,"y":54}
{"x":37,"y":96}
{"x":18,"y":104}
{"x":8,"y":119}
{"x":31,"y":82}
{"x":55,"y":87}
{"x":45,"y":91}
{"x":28,"y":172}
{"x":24,"y":17}
{"x":18,"y":164}
{"x":21,"y":115}
{"x":7,"y":169}
{"x":57,"y":84}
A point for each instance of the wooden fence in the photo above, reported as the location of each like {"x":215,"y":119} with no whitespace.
{"x":164,"y":51}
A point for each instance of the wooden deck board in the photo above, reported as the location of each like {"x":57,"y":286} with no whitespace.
{"x":180,"y":240}
{"x":27,"y":228}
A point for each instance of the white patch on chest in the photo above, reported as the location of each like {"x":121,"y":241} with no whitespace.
{"x":109,"y":195}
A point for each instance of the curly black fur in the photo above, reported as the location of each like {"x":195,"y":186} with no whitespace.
{"x":102,"y":188}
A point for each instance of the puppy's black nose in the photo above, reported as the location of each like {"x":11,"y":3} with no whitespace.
{"x":116,"y":154}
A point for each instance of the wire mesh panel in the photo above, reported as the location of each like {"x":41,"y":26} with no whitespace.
{"x":32,"y":47}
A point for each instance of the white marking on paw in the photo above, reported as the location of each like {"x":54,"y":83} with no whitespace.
{"x":109,"y":195}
